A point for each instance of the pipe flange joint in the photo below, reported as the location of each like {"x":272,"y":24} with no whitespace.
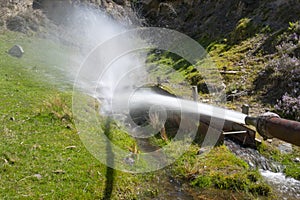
{"x":262,"y":124}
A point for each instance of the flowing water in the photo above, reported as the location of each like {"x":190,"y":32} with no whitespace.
{"x":284,"y":187}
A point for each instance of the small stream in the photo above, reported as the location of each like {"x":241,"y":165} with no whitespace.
{"x":287,"y":188}
{"x":284,"y":187}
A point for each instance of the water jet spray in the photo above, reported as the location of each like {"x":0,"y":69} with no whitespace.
{"x":268,"y":125}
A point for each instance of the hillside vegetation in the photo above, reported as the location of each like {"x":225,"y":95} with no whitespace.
{"x":41,"y":154}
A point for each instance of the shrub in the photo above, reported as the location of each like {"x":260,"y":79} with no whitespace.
{"x":289,"y":107}
{"x":287,"y":70}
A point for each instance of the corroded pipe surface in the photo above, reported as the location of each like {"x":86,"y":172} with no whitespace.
{"x":283,"y":129}
{"x":271,"y":125}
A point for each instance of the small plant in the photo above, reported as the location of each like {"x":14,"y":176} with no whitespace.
{"x":294,"y":26}
{"x":59,"y":109}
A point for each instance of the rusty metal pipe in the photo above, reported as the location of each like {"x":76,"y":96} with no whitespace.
{"x":271,"y":125}
{"x":283,"y":129}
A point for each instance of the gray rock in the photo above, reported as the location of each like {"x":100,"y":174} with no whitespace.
{"x":16,"y":51}
{"x":17,"y":23}
{"x":297,"y":160}
{"x":120,"y":2}
{"x":285,"y":148}
{"x":38,"y":176}
{"x":203,"y":150}
{"x":129,"y":160}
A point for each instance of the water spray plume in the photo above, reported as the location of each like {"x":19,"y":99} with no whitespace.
{"x":146,"y":99}
{"x":111,"y":65}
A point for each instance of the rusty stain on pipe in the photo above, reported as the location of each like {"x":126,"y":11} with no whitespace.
{"x":271,"y":125}
{"x":286,"y":130}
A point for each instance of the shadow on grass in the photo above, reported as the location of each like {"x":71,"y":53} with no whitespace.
{"x":110,"y":172}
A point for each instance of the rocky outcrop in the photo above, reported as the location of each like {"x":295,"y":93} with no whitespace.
{"x":197,"y":18}
{"x":10,"y":8}
{"x":18,"y":15}
{"x":59,"y":10}
{"x":29,"y":15}
{"x":216,"y":18}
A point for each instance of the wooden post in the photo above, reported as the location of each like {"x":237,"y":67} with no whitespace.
{"x":245,"y":109}
{"x":195,"y":93}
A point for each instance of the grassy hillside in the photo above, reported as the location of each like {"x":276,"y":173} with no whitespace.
{"x":41,"y":155}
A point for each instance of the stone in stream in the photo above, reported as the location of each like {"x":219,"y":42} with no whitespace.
{"x":285,"y":148}
{"x":16,"y":51}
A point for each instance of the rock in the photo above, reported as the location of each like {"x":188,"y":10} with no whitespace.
{"x":16,"y":51}
{"x":269,"y":140}
{"x":285,"y":148}
{"x":296,"y":160}
{"x":129,"y":160}
{"x":17,"y":23}
{"x":203,"y":150}
{"x":38,"y":176}
{"x":120,"y":2}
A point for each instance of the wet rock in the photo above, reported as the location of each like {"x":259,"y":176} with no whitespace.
{"x":16,"y":51}
{"x":285,"y":148}
{"x":296,"y":160}
{"x":253,"y":157}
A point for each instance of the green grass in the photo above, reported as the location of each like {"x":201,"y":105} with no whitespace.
{"x":41,"y":155}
